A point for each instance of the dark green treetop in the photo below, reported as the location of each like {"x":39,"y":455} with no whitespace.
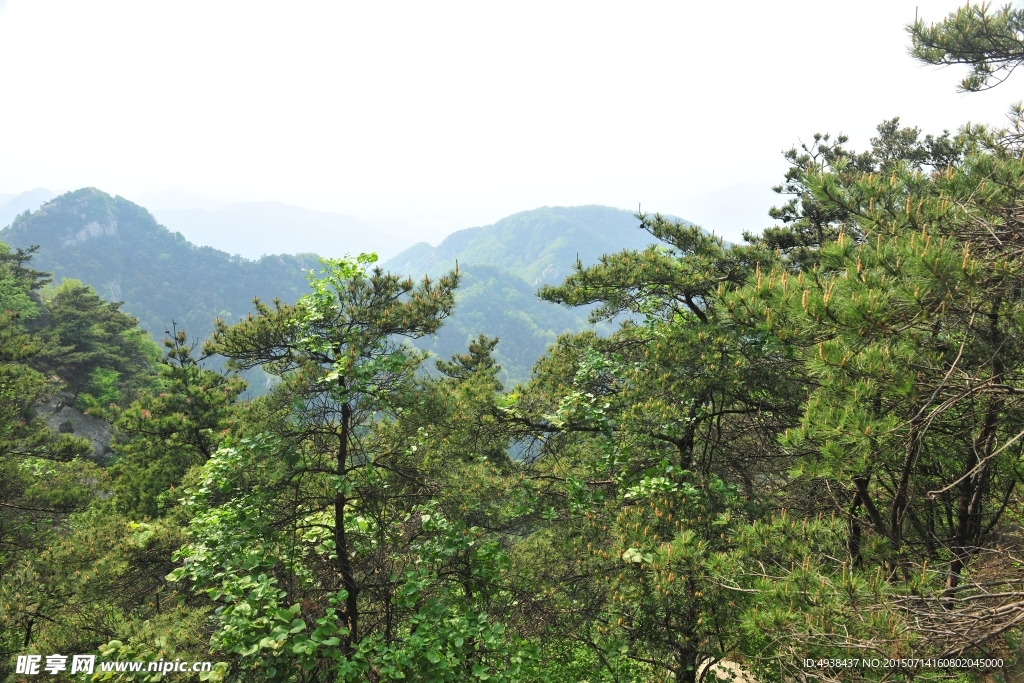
{"x":90,"y":342}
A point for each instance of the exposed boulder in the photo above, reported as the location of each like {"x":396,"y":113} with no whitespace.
{"x":60,"y":415}
{"x":724,"y":671}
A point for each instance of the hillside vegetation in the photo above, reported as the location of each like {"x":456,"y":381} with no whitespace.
{"x":793,"y":459}
{"x":495,"y":302}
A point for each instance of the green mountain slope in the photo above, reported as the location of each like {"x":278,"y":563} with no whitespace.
{"x":539,"y":246}
{"x":119,"y":249}
{"x":499,"y":304}
{"x":505,"y":263}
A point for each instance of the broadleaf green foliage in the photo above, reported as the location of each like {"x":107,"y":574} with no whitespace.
{"x":317,"y":537}
{"x":103,"y":386}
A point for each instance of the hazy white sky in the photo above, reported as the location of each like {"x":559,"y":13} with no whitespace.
{"x":440,"y":115}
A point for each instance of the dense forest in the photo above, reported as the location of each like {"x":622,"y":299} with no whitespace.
{"x":784,"y":456}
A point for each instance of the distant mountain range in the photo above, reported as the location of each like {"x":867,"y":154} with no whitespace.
{"x":11,"y":205}
{"x":254,"y":229}
{"x":120,"y":249}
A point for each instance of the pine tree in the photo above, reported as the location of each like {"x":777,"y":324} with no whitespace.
{"x":89,"y":341}
{"x":988,"y":40}
{"x":162,"y":434}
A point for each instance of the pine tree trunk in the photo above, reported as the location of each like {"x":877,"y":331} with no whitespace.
{"x":351,"y":610}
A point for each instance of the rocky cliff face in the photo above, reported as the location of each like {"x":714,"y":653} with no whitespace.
{"x":91,"y":229}
{"x":60,"y":415}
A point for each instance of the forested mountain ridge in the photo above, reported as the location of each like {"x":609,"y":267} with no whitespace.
{"x":503,"y":265}
{"x":540,"y":245}
{"x":497,"y":303}
{"x":119,"y":249}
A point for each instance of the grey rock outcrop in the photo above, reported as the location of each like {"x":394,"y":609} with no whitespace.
{"x":60,"y":415}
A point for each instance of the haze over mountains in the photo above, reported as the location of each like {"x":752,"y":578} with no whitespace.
{"x":125,"y":254}
{"x":249,"y":229}
{"x":11,"y":205}
{"x":540,"y":246}
{"x":254,"y":229}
